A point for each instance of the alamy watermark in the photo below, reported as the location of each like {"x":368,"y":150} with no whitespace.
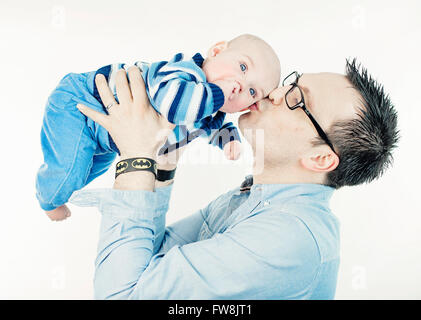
{"x":358,"y":20}
{"x":58,"y":277}
{"x":58,"y":17}
{"x":359,"y":278}
{"x":208,"y":156}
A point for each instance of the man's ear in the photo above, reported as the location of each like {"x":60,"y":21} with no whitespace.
{"x":217,"y":49}
{"x":320,"y":161}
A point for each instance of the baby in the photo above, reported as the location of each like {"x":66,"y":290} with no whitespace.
{"x":194,"y":94}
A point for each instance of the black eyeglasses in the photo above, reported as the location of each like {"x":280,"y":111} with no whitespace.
{"x":294,"y":99}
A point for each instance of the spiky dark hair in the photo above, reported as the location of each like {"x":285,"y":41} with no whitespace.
{"x":364,"y":144}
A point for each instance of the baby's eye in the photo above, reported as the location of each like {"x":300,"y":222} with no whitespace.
{"x":252,"y":92}
{"x":243,"y":67}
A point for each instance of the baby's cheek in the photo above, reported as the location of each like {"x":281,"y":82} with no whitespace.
{"x":242,"y":103}
{"x":234,"y":106}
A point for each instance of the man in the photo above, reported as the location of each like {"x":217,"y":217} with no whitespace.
{"x":275,"y":236}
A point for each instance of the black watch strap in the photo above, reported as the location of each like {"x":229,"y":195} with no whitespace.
{"x":164,"y":175}
{"x":135,"y":164}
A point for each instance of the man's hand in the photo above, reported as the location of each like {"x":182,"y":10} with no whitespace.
{"x":136,"y":128}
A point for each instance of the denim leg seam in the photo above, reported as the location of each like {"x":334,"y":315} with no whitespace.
{"x":70,"y":169}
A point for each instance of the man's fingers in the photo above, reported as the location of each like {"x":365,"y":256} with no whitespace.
{"x":124,"y":93}
{"x":105,"y":92}
{"x":137,"y":86}
{"x":96,"y":116}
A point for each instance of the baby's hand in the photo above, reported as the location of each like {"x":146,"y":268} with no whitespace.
{"x":58,"y":214}
{"x":232,"y":150}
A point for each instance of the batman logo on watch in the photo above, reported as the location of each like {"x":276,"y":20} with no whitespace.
{"x":121,"y":166}
{"x":141,"y":163}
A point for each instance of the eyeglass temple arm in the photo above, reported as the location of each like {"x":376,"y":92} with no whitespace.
{"x":319,"y":129}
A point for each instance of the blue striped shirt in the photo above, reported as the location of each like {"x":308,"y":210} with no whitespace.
{"x":178,"y":90}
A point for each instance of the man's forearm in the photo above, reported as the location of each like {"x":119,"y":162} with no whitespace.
{"x":137,"y":180}
{"x":132,"y":229}
{"x":131,"y":232}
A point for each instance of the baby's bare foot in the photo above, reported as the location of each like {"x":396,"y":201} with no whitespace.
{"x":58,"y":214}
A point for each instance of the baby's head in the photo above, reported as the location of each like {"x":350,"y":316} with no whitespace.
{"x":245,"y":68}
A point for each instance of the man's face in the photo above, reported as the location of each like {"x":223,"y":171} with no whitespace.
{"x":288,"y":133}
{"x":246,"y":72}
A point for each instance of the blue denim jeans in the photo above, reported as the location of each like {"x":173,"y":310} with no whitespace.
{"x":76,"y":149}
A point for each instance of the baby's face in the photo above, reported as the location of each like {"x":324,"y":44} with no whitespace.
{"x":246,"y":72}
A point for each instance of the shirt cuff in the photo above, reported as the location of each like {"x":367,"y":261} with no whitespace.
{"x":133,"y":204}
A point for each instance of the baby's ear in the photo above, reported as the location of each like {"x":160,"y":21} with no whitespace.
{"x":217,"y":49}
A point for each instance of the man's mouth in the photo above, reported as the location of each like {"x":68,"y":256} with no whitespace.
{"x":253,"y":107}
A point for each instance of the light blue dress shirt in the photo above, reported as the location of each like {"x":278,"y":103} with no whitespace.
{"x":270,"y":241}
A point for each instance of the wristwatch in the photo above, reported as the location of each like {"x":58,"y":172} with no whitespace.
{"x":164,"y":175}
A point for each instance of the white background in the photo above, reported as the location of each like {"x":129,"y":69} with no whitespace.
{"x":41,"y":41}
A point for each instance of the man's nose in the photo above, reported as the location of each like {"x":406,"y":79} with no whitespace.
{"x":277,"y":95}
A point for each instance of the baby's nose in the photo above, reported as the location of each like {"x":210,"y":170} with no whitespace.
{"x":236,"y":87}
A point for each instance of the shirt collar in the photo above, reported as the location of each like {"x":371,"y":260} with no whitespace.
{"x":198,"y":59}
{"x":287,"y":191}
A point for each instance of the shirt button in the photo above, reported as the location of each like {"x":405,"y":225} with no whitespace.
{"x":266,"y":203}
